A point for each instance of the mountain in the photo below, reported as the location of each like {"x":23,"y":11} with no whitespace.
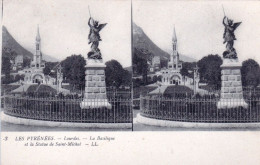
{"x":9,"y":42}
{"x":141,"y":40}
{"x":129,"y":68}
{"x":187,"y":58}
{"x":183,"y":57}
{"x":49,"y":58}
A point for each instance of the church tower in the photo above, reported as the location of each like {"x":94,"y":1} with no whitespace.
{"x":174,"y":58}
{"x":37,"y":58}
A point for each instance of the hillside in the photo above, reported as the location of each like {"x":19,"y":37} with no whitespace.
{"x":183,"y":57}
{"x":9,"y":42}
{"x":141,"y":40}
{"x":129,"y":69}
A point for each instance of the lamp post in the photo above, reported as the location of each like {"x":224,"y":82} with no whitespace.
{"x":195,"y":79}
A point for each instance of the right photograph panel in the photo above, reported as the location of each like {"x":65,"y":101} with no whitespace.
{"x":196,"y":65}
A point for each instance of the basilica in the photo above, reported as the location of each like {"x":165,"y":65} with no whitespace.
{"x":35,"y":74}
{"x":172,"y":74}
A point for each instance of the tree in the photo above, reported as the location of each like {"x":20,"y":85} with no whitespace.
{"x":18,"y":77}
{"x":115,"y":74}
{"x":26,"y":62}
{"x":210,"y":71}
{"x":127,"y":78}
{"x":250,"y":72}
{"x":7,"y":55}
{"x":140,"y":65}
{"x":186,"y":67}
{"x":185,"y":71}
{"x":155,"y":79}
{"x":159,"y":78}
{"x":137,"y":82}
{"x":6,"y":65}
{"x":73,"y":68}
{"x":8,"y":52}
{"x":49,"y":67}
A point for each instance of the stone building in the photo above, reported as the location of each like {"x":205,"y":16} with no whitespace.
{"x":17,"y":63}
{"x":156,"y":63}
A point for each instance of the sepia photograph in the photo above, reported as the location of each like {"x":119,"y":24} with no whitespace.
{"x":66,"y":66}
{"x":196,"y":65}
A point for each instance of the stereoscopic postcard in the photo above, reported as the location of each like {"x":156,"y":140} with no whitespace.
{"x":130,"y":82}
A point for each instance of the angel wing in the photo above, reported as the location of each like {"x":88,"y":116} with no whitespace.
{"x":235,"y":25}
{"x":101,"y":26}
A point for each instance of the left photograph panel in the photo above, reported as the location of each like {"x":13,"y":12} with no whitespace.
{"x":66,"y":66}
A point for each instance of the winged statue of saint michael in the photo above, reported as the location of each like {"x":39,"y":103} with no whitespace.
{"x":94,"y":38}
{"x":229,"y":37}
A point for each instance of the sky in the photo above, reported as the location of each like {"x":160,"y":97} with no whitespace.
{"x":64,"y":29}
{"x":199,"y":26}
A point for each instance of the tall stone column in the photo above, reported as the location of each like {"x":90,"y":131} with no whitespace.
{"x":231,"y":85}
{"x":95,"y":86}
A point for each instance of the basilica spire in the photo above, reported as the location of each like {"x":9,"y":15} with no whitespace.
{"x":174,"y":58}
{"x":37,"y":58}
{"x":174,"y":37}
{"x":174,"y":42}
{"x":38,"y":41}
{"x":38,"y":38}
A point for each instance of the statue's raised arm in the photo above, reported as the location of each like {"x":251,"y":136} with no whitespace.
{"x":89,"y":22}
{"x":223,"y":22}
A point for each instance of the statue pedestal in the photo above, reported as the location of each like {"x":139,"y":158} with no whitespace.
{"x":231,"y":85}
{"x":95,"y":87}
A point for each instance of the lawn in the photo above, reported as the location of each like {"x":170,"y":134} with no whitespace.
{"x":41,"y":89}
{"x":8,"y":88}
{"x":142,"y":90}
{"x":171,"y":91}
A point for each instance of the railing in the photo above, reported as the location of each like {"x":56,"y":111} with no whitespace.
{"x":68,"y":109}
{"x":199,"y":110}
{"x":247,"y":91}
